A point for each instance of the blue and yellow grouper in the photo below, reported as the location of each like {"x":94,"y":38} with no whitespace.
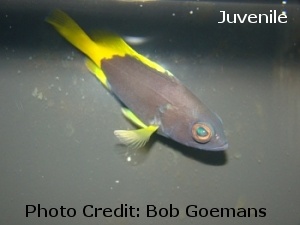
{"x":155,"y":100}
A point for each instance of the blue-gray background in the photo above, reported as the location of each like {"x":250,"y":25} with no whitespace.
{"x":57,"y":146}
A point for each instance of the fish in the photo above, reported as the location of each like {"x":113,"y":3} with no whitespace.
{"x":154,"y":99}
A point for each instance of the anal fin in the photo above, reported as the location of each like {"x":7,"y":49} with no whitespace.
{"x":97,"y":71}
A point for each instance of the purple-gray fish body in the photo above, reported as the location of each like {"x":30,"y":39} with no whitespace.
{"x":161,"y":99}
{"x":156,"y":101}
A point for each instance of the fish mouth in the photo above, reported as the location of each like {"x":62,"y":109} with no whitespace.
{"x":222,"y":147}
{"x":217,"y":148}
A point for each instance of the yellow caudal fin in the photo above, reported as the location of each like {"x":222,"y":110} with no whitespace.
{"x":103,"y":45}
{"x":135,"y":138}
{"x":71,"y":31}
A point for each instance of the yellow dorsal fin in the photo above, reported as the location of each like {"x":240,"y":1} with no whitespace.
{"x":112,"y":41}
{"x":121,"y":48}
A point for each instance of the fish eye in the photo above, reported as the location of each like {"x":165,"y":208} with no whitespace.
{"x":202,"y":133}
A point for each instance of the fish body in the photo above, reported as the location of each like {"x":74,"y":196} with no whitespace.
{"x":155,"y":99}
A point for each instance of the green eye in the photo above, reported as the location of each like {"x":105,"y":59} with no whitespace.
{"x":202,"y":133}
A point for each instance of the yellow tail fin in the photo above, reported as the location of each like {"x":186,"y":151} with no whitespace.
{"x":105,"y":46}
{"x":70,"y":30}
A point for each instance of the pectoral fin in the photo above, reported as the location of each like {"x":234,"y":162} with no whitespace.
{"x":135,"y":138}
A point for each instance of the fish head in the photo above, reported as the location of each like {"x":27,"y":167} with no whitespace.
{"x":202,"y":130}
{"x":208,"y":134}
